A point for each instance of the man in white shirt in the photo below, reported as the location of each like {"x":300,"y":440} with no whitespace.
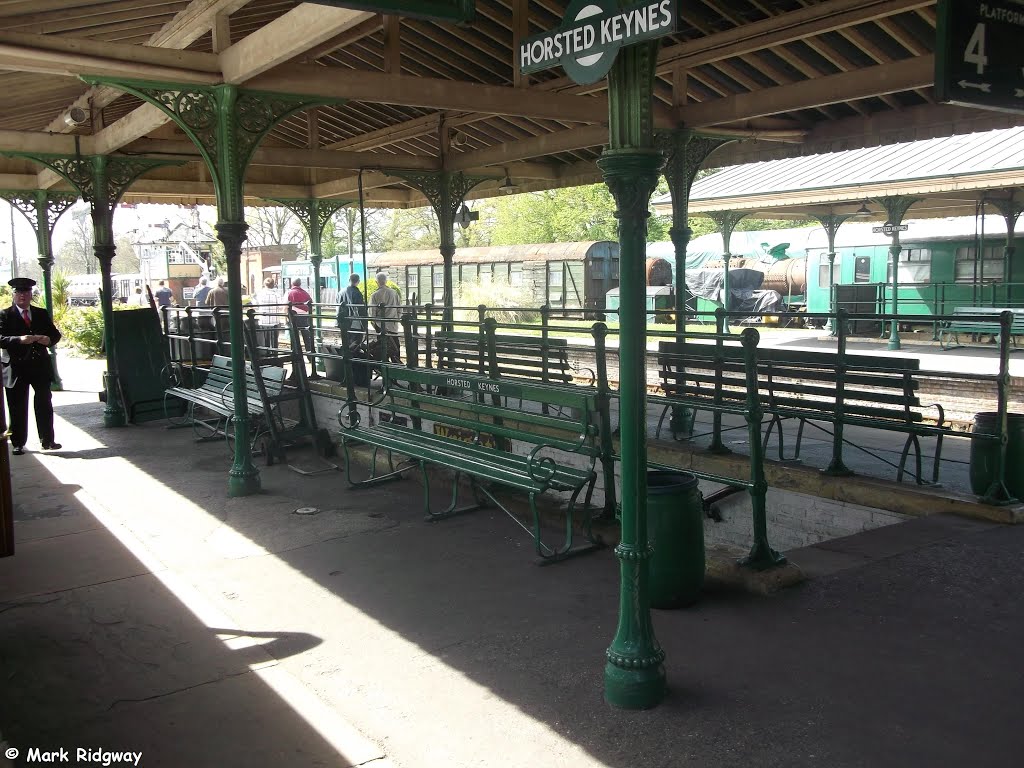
{"x":384,"y":306}
{"x":274,"y":308}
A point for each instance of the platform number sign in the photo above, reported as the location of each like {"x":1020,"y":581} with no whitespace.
{"x":979,"y":54}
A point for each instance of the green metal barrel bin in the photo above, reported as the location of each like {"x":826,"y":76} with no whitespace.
{"x":985,"y":453}
{"x":675,"y":520}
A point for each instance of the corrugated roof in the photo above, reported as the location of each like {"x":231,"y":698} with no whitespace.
{"x":901,"y":168}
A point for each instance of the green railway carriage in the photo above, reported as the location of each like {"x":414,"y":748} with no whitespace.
{"x":562,"y":275}
{"x":943,"y":264}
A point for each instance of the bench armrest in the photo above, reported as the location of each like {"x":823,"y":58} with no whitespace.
{"x":542,"y":468}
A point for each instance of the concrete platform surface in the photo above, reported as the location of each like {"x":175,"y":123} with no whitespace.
{"x":144,"y":611}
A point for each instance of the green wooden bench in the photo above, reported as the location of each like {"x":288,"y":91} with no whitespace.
{"x":216,"y":396}
{"x":811,"y":386}
{"x":516,"y":357}
{"x":471,"y":438}
{"x":977,"y":322}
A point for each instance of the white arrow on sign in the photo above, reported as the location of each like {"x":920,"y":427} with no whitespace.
{"x":987,"y":88}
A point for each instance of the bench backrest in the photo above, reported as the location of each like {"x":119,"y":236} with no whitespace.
{"x":220,"y":377}
{"x":992,"y":314}
{"x":795,"y":381}
{"x":526,"y":357}
{"x":435,"y":395}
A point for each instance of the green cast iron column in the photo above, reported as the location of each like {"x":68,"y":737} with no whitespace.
{"x":895,"y":207}
{"x":43,"y":209}
{"x":446,"y":192}
{"x":1011,"y":211}
{"x":226,"y":123}
{"x":684,"y":151}
{"x":830,"y":222}
{"x":726,"y":221}
{"x":103,"y":245}
{"x":314,"y":215}
{"x":634,"y":675}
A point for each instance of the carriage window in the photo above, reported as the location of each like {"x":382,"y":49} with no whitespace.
{"x":861,"y":269}
{"x":555,"y":283}
{"x":515,"y":273}
{"x":438,"y":294}
{"x":426,"y":290}
{"x":486,"y":273}
{"x":575,"y":287}
{"x":470,"y":273}
{"x":823,"y":281}
{"x":989,"y":267}
{"x":915,"y":266}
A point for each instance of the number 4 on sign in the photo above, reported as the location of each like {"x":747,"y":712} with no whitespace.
{"x":975,"y":53}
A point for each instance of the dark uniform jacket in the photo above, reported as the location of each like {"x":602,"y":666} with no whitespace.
{"x":26,"y":358}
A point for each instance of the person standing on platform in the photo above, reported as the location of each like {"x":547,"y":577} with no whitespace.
{"x":384,"y":306}
{"x":163,"y":295}
{"x":218,"y":297}
{"x":199,"y":297}
{"x":353,"y":307}
{"x":25,"y":334}
{"x":269,"y":318}
{"x":301,"y":302}
{"x":138,"y":299}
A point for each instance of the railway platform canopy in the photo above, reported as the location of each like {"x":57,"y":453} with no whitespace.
{"x":406,"y":103}
{"x":410,"y":94}
{"x":947,"y":176}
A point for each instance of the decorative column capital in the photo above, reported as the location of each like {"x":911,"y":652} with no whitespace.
{"x":631,"y":176}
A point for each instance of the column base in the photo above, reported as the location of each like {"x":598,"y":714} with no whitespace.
{"x":243,"y":482}
{"x":761,"y":558}
{"x":113,"y":417}
{"x":638,"y":688}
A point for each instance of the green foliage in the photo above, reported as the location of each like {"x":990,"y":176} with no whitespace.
{"x":83,"y":330}
{"x":753,"y":225}
{"x":59,"y":283}
{"x":555,"y":216}
{"x":370,"y":287}
{"x":497,"y":293}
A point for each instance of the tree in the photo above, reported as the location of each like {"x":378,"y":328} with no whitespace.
{"x":274,"y":225}
{"x":347,"y":235}
{"x":76,"y":256}
{"x":411,"y":229}
{"x":126,"y":258}
{"x":555,"y":216}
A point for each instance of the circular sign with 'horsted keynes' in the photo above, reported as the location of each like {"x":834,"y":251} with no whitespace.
{"x":591,"y":34}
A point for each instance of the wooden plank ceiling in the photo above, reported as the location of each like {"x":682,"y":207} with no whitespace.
{"x":786,"y":76}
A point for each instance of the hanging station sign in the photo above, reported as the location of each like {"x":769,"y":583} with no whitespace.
{"x":888,"y":229}
{"x":979,"y":58}
{"x":591,"y":34}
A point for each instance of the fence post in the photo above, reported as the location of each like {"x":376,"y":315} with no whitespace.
{"x":935,"y":311}
{"x":484,"y":339}
{"x":604,"y":404}
{"x":190,"y":335}
{"x":836,"y":467}
{"x":761,"y":556}
{"x":545,"y":319}
{"x":998,"y":493}
{"x":428,"y":312}
{"x":717,"y":446}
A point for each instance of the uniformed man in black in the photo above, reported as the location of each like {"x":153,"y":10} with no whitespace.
{"x":25,"y":334}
